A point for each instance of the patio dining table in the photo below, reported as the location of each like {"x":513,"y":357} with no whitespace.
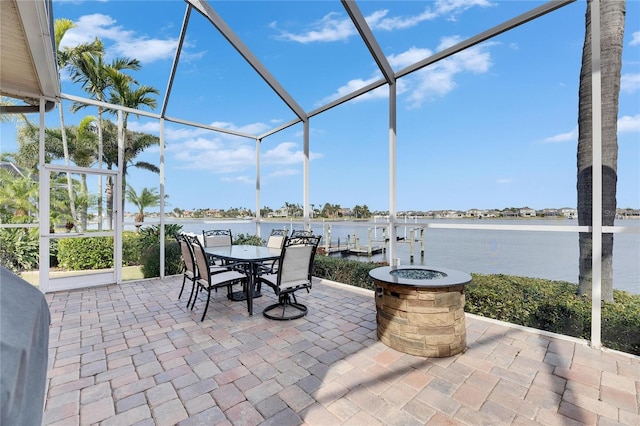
{"x":253,"y":257}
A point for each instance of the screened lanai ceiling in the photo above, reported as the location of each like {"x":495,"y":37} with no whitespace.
{"x":255,"y":68}
{"x":291,"y":81}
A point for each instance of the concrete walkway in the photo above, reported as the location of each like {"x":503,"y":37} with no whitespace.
{"x":133,"y":354}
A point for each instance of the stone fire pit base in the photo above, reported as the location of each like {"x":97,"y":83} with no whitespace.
{"x":426,"y":319}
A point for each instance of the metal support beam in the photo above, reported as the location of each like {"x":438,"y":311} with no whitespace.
{"x":258,"y":216}
{"x":392,"y":176}
{"x":305,"y":196}
{"x":207,"y":11}
{"x":499,"y":29}
{"x":162,"y":201}
{"x":176,"y":58}
{"x":369,"y":39}
{"x":596,"y":203}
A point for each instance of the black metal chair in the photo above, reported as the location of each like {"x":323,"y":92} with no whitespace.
{"x":212,"y":281}
{"x":301,"y":233}
{"x":276,"y":240}
{"x":294,"y":273}
{"x":217,"y":237}
{"x":190,"y":270}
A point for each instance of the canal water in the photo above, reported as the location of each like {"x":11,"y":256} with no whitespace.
{"x":550,"y":255}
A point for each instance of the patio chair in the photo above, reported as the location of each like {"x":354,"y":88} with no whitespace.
{"x":301,"y":233}
{"x":276,"y":240}
{"x":190,"y":271}
{"x":294,"y":273}
{"x":218,"y":238}
{"x":212,"y":281}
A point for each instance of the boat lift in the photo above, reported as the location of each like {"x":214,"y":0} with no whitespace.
{"x":352,"y":244}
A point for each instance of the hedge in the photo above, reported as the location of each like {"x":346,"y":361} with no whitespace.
{"x":548,"y":305}
{"x":97,"y":252}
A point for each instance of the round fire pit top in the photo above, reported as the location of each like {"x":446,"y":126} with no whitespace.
{"x":420,"y":276}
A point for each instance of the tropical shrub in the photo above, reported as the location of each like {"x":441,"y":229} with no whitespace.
{"x":554,"y":306}
{"x":97,"y":252}
{"x":252,"y":240}
{"x":131,"y":248}
{"x":150,"y":253}
{"x":150,"y":259}
{"x":85,"y":253}
{"x":345,"y":271}
{"x":548,"y":305}
{"x":19,"y":248}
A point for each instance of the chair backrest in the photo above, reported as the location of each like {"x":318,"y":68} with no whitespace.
{"x":296,"y":261}
{"x":276,"y":238}
{"x":217,"y":237}
{"x":187,"y":253}
{"x":200,"y":258}
{"x":301,"y":233}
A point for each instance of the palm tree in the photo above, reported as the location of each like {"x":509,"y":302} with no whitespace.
{"x":92,"y":73}
{"x":18,"y":197}
{"x":135,"y":143}
{"x":612,"y":22}
{"x":149,"y":197}
{"x":123,"y":93}
{"x":64,"y":57}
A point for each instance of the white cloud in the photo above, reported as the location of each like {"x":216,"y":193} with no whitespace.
{"x":286,"y":153}
{"x":504,"y":181}
{"x":355,"y":84}
{"x":429,"y":83}
{"x":563,"y":137}
{"x":628,"y":124}
{"x":284,"y":173}
{"x":213,"y":155}
{"x":238,"y":179}
{"x":251,"y":128}
{"x":629,"y":83}
{"x":329,"y":28}
{"x":177,"y":134}
{"x":336,"y":27}
{"x":438,"y":79}
{"x":119,"y":41}
{"x":635,"y":39}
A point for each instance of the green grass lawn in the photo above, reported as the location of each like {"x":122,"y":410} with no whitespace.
{"x":129,"y":273}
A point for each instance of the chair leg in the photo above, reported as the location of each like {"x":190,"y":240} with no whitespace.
{"x":207,"y":305}
{"x":195,"y":296}
{"x":193,"y":286}
{"x":184,"y":279}
{"x":284,"y":302}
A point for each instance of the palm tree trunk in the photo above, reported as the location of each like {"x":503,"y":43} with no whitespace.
{"x":65,"y":149}
{"x":109,"y":193}
{"x":612,"y":31}
{"x":100,"y":167}
{"x":84,"y":206}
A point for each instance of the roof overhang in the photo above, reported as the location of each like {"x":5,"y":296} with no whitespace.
{"x":28,"y":66}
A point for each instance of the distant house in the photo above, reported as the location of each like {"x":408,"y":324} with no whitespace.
{"x":527,"y":212}
{"x":491,"y":213}
{"x":509,"y":213}
{"x":473,"y":213}
{"x":550,"y":213}
{"x":281,"y":212}
{"x":628,"y":213}
{"x":569,"y":213}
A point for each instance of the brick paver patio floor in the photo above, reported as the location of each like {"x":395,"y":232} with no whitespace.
{"x":133,"y":354}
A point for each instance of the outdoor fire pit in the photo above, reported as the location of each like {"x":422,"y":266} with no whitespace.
{"x":420,"y":309}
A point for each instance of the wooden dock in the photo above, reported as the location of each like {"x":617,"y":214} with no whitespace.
{"x":365,"y":251}
{"x":334,"y":249}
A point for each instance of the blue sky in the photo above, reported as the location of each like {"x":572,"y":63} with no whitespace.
{"x":492,"y":127}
